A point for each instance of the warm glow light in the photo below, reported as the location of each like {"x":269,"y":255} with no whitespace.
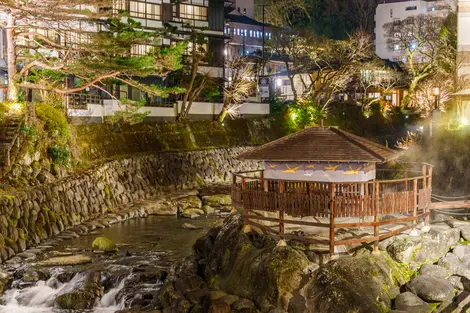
{"x":421,"y":128}
{"x":15,"y":107}
{"x":436,"y":91}
{"x":464,"y":121}
{"x":225,"y":52}
{"x":279,"y":82}
{"x":293,"y":116}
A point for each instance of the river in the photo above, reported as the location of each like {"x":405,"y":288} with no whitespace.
{"x":147,"y":249}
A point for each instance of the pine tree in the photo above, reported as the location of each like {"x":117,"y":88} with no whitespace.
{"x":49,"y":40}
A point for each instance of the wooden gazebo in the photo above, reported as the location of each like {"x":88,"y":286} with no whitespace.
{"x":329,"y":174}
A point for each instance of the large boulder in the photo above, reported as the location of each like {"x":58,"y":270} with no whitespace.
{"x":190,"y":202}
{"x":454,"y":265}
{"x":86,"y":297}
{"x":428,"y":248}
{"x":160,"y":207}
{"x":403,"y":249}
{"x":410,"y":303}
{"x":103,"y":244}
{"x":431,"y":289}
{"x":434,"y":270}
{"x":362,"y":284}
{"x":252,"y":266}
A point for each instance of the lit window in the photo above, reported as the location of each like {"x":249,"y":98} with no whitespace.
{"x":193,"y":12}
{"x":137,"y":9}
{"x":144,"y":10}
{"x":153,"y":11}
{"x":119,"y":5}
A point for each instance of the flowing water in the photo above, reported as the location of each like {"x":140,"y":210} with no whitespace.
{"x":147,"y":249}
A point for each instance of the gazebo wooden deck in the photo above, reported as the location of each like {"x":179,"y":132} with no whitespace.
{"x":410,"y":197}
{"x":319,"y":193}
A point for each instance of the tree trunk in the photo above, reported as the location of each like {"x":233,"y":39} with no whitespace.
{"x":224,"y":111}
{"x":13,"y":90}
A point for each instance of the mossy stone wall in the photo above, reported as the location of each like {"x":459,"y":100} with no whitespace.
{"x":98,"y":142}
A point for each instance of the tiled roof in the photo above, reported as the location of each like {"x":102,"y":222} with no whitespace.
{"x":321,"y":144}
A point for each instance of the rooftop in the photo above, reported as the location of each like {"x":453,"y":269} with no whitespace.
{"x":321,"y":144}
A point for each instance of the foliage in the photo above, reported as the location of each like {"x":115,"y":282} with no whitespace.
{"x":429,"y":45}
{"x":88,"y":53}
{"x":239,"y":87}
{"x":325,"y":67}
{"x":59,"y":155}
{"x":129,"y":113}
{"x":304,"y":113}
{"x":54,"y":122}
{"x":277,"y":106}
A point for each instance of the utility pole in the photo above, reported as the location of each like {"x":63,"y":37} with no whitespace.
{"x":264,"y":5}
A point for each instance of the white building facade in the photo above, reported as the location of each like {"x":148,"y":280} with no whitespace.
{"x":394,"y":11}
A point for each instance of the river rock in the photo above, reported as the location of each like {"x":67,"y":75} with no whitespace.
{"x":66,"y":260}
{"x":190,"y":202}
{"x":86,"y":298}
{"x":103,"y":244}
{"x":217,"y":200}
{"x":403,"y":249}
{"x":431,"y":289}
{"x":208,"y":209}
{"x":434,"y":270}
{"x":410,"y":303}
{"x":190,"y":213}
{"x":465,"y":232}
{"x":35,"y":274}
{"x":461,"y":251}
{"x":243,"y":304}
{"x":190,"y":226}
{"x":454,"y":265}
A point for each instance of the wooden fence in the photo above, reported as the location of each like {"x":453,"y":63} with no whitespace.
{"x":410,"y":197}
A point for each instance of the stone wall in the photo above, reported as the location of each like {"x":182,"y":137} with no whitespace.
{"x":30,"y":217}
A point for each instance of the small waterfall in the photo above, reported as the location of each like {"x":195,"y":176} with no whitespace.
{"x":40,"y":297}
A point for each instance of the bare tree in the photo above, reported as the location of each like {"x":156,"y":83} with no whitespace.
{"x":49,"y":40}
{"x":420,"y":41}
{"x":238,"y":88}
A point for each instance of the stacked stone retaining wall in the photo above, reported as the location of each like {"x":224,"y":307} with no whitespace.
{"x":29,"y":217}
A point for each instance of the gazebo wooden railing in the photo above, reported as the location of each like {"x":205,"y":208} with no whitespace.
{"x":410,"y":197}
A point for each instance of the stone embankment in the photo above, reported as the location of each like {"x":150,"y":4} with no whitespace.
{"x":237,"y":270}
{"x":31,"y":217}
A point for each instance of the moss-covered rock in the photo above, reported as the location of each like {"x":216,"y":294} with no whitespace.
{"x":217,"y":200}
{"x":103,"y":244}
{"x":190,"y":202}
{"x":85,"y":298}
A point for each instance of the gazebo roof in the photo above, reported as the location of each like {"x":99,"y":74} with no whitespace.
{"x":321,"y":144}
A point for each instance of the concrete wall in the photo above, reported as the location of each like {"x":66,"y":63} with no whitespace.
{"x":199,"y":110}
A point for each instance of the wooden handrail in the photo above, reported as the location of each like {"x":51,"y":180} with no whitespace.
{"x":335,"y":200}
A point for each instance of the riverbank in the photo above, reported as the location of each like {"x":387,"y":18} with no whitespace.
{"x":60,"y":272}
{"x":235,"y":269}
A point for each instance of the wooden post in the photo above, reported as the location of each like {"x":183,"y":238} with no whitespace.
{"x":424,"y":171}
{"x":430,"y":178}
{"x":429,"y":193}
{"x":376,"y":215}
{"x":332,"y":219}
{"x":245,"y":209}
{"x":415,"y":200}
{"x":281,"y":211}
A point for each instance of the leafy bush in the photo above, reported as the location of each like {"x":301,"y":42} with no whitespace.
{"x":304,"y":113}
{"x":54,"y":121}
{"x":59,"y":154}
